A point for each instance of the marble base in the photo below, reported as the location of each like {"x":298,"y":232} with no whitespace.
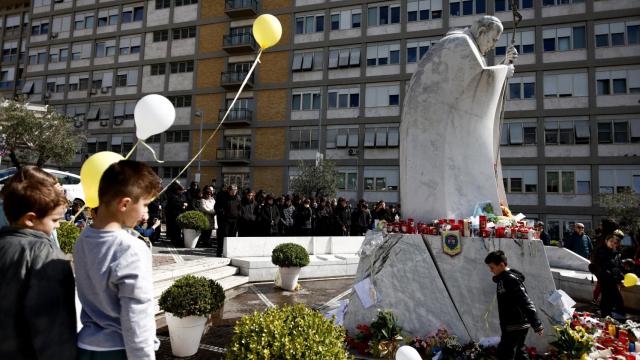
{"x":427,"y":289}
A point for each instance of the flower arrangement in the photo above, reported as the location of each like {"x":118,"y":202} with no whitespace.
{"x":386,"y":335}
{"x":572,"y":342}
{"x":361,"y":341}
{"x":439,"y":342}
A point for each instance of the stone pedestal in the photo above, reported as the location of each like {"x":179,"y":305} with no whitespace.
{"x":427,"y":289}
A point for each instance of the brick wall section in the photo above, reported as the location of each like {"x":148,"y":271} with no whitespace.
{"x":209,"y":152}
{"x":287,"y":25}
{"x":210,"y":9}
{"x":276,"y":4}
{"x":268,"y":179}
{"x":274,"y":68}
{"x":270,"y":144}
{"x":271,"y":105}
{"x":210,"y":104}
{"x":209,"y":71}
{"x":210,"y":37}
{"x":206,"y":175}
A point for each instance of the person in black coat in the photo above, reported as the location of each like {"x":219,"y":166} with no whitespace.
{"x":361,"y":220}
{"x":607,"y":267}
{"x":247,"y":220}
{"x":324,"y":224}
{"x":303,"y":218}
{"x":342,"y":218}
{"x":176,"y":205}
{"x":516,"y":311}
{"x":232,"y":209}
{"x":268,"y":217}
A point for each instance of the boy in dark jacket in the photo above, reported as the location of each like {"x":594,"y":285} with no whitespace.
{"x":37,"y":287}
{"x":516,"y":310}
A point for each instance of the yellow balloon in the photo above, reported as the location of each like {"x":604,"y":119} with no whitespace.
{"x":267,"y":30}
{"x":630,"y":279}
{"x":91,"y":172}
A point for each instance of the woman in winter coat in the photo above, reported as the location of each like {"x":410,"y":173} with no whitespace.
{"x":268,"y":217}
{"x":206,"y":206}
{"x":607,"y":266}
{"x":247,"y":220}
{"x":342,"y":218}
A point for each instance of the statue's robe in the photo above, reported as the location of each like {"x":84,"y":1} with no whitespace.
{"x":450,"y":132}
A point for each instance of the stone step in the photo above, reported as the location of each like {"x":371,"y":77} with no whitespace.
{"x":177,"y":270}
{"x":217,"y":274}
{"x":233,"y":281}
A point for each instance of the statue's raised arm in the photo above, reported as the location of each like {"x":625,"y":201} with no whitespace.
{"x":450,"y":126}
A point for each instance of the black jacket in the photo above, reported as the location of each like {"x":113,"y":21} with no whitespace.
{"x":268,"y":217}
{"x":38,"y":298}
{"x":606,"y":265}
{"x":516,"y":309}
{"x":303,"y":217}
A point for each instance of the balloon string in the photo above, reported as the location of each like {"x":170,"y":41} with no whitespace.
{"x":73,"y":219}
{"x":133,"y":148}
{"x":246,"y":79}
{"x":152,"y":151}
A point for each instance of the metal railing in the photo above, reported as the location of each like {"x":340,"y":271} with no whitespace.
{"x":233,"y":77}
{"x":239,"y":40}
{"x":240,"y":4}
{"x":233,"y":154}
{"x":237,"y":115}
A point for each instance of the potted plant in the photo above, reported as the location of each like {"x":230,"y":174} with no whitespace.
{"x":192,"y":223}
{"x":290,"y":258}
{"x":287,"y":332}
{"x":187,"y":305}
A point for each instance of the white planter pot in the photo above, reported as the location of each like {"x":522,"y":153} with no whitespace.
{"x":190,"y":238}
{"x":289,"y":277}
{"x":185,"y":334}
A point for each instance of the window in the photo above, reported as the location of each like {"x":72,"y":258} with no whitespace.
{"x":521,"y":88}
{"x":240,"y":179}
{"x":184,"y":33}
{"x":525,"y":43}
{"x":342,"y":58}
{"x":566,"y":132}
{"x":303,"y":138}
{"x":84,"y":21}
{"x":108,"y":17}
{"x":342,"y":137}
{"x":172,"y":172}
{"x":9,"y":51}
{"x":127,"y":77}
{"x":383,"y":54}
{"x":383,"y":15}
{"x":619,"y":132}
{"x":309,"y":24}
{"x":518,"y":133}
{"x":421,"y":10}
{"x":177,"y":136}
{"x":182,"y":67}
{"x":123,"y":111}
{"x":58,"y":55}
{"x":344,"y":98}
{"x":505,"y":5}
{"x":56,"y":84}
{"x":186,"y":2}
{"x":158,"y":69}
{"x":560,"y":2}
{"x":520,"y":180}
{"x":81,"y":51}
{"x":564,"y":85}
{"x":619,"y":179}
{"x":417,"y":48}
{"x":130,"y":45}
{"x":467,"y":7}
{"x":307,"y":61}
{"x":160,"y":35}
{"x":563,"y":181}
{"x":155,"y":139}
{"x":132,"y":14}
{"x":382,"y":137}
{"x":382,"y":95}
{"x":37,"y":56}
{"x":163,"y":4}
{"x":616,"y":82}
{"x":347,"y":180}
{"x":346,"y":19}
{"x":40,"y":28}
{"x":95,"y":145}
{"x":106,"y":48}
{"x":564,"y":39}
{"x":78,"y":82}
{"x":305,"y":101}
{"x":180,"y":101}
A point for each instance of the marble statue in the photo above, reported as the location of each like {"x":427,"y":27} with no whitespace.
{"x":450,"y":126}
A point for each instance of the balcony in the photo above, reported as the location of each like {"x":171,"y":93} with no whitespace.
{"x":237,"y":116}
{"x":240,"y":156}
{"x":241,"y":8}
{"x":239,"y":43}
{"x":231,"y":80}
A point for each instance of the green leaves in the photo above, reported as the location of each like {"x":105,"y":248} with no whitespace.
{"x":67,"y":235}
{"x":290,"y":255}
{"x":193,"y":220}
{"x":192,"y":296}
{"x":287,"y":333}
{"x":321,"y":180}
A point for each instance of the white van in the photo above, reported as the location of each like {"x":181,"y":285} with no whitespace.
{"x":70,"y":182}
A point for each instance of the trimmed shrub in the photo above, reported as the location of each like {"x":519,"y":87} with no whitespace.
{"x":192,"y":296}
{"x":193,"y":220}
{"x":67,"y":235}
{"x":287,"y":333}
{"x":290,"y":255}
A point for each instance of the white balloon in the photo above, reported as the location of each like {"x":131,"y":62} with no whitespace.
{"x":153,"y":115}
{"x":407,"y":353}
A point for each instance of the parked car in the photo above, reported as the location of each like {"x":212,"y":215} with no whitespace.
{"x":70,"y":182}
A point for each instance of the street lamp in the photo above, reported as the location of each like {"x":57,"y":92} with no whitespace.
{"x":199,"y":113}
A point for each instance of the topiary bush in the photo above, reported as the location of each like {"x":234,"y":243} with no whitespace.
{"x":287,"y":333}
{"x":193,"y":220}
{"x":192,"y":296}
{"x":290,"y":255}
{"x":67,"y":235}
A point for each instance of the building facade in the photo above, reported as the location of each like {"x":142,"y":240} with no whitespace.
{"x":335,"y":85}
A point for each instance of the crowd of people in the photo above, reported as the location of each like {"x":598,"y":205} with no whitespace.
{"x":251,"y":213}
